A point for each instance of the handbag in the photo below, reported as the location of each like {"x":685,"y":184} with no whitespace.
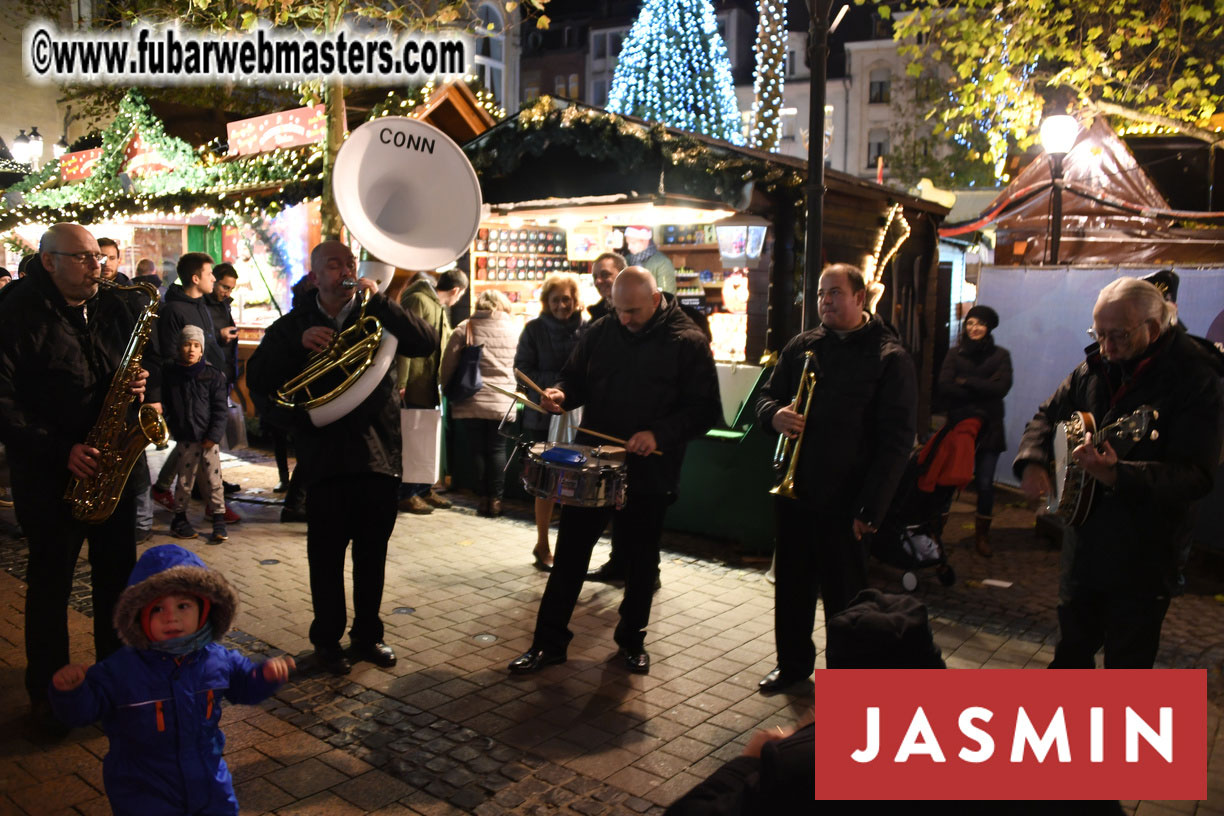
{"x":465,"y":380}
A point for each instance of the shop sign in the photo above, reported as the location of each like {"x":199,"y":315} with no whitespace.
{"x":78,"y":165}
{"x":291,"y":128}
{"x":140,"y":159}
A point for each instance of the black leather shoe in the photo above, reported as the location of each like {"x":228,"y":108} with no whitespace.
{"x":332,"y":659}
{"x":533,"y":660}
{"x":778,"y":681}
{"x":607,"y":574}
{"x":635,"y":660}
{"x":378,"y":653}
{"x":229,"y":488}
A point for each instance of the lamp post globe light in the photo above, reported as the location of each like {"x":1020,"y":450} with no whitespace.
{"x":36,"y":148}
{"x":1058,"y":135}
{"x":21,"y":148}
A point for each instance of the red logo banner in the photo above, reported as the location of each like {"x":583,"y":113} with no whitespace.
{"x":1011,"y":735}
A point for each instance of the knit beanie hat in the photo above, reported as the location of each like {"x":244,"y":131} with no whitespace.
{"x":191,"y":333}
{"x":985,"y":314}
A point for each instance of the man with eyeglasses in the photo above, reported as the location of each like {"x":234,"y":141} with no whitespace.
{"x":61,"y":340}
{"x":1120,"y":567}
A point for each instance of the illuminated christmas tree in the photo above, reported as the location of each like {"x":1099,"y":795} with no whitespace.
{"x":673,"y":68}
{"x":770,"y":74}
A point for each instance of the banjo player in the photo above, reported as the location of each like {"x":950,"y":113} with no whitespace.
{"x":1120,"y":566}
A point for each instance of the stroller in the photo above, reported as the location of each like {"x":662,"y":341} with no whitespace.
{"x":911,"y":535}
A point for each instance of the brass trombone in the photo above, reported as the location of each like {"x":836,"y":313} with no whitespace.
{"x":786,"y":456}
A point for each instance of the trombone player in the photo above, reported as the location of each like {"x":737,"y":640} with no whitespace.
{"x":351,"y":466}
{"x":848,"y":433}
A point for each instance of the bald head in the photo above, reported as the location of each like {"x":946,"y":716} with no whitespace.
{"x":636,"y":296}
{"x":331,"y":263}
{"x":60,"y":249}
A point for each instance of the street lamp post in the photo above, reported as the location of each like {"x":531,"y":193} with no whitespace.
{"x":818,"y":58}
{"x":1058,"y":134}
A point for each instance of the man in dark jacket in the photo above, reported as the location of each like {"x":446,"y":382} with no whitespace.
{"x":648,"y":377}
{"x":351,"y":467}
{"x":1121,"y":564}
{"x":61,"y":340}
{"x":862,"y":416}
{"x":218,"y":303}
{"x":604,"y":270}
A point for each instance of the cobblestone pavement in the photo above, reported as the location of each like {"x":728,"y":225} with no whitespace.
{"x":448,"y":731}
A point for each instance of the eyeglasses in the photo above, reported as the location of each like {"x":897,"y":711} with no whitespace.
{"x":1118,"y":336}
{"x":83,"y":258}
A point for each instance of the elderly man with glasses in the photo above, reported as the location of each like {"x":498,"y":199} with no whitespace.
{"x":1120,"y":565}
{"x":61,"y":340}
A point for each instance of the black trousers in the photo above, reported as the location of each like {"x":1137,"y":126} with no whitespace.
{"x":636,"y":529}
{"x":356,"y":507}
{"x":55,"y":540}
{"x":1127,"y":626}
{"x":816,"y":553}
{"x":487,"y":449}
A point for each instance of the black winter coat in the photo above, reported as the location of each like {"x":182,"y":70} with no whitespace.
{"x":55,"y":372}
{"x":660,"y":379}
{"x":1129,"y":542}
{"x":178,"y":310}
{"x":367,"y":439}
{"x":600,"y":309}
{"x":860,"y":431}
{"x":223,"y":318}
{"x":973,"y":381}
{"x":195,"y":405}
{"x":543,"y":347}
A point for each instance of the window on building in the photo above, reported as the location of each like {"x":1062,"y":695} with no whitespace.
{"x":559,"y":87}
{"x":531,"y":92}
{"x":574,"y":93}
{"x":599,"y":93}
{"x":789,"y":119}
{"x":877,"y":146}
{"x":614,"y":43}
{"x":790,"y":63}
{"x":490,"y":55}
{"x":599,"y":46}
{"x":879,"y":91}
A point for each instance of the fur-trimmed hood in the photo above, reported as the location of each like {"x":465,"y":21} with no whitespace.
{"x":167,"y":569}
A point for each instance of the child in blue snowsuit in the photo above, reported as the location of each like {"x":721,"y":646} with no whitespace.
{"x":159,"y":697}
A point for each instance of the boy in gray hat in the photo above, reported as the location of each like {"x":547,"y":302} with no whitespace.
{"x":194,"y":394}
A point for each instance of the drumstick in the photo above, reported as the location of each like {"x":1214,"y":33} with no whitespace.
{"x":518,"y":397}
{"x":529,"y":382}
{"x":611,"y":438}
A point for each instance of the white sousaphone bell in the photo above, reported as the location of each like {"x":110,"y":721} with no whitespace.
{"x":410,"y":197}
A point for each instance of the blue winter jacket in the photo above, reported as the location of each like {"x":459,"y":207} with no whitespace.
{"x":162,"y":712}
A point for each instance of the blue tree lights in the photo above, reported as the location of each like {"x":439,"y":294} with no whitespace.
{"x":673,"y":69}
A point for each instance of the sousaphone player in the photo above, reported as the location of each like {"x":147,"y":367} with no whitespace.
{"x":413,"y":209}
{"x":1120,"y":565}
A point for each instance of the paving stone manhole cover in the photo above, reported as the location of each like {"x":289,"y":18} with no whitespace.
{"x":403,"y":610}
{"x":269,"y":561}
{"x":484,"y":637}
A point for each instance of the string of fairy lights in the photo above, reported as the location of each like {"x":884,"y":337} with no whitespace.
{"x":196,"y":182}
{"x":673,"y":68}
{"x":770,"y":76}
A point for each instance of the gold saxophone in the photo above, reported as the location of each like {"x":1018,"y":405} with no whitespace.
{"x":119,"y":444}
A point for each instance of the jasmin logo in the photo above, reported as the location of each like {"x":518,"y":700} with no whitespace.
{"x":1011,"y":735}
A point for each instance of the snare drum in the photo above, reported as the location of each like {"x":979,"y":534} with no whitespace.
{"x":578,"y":475}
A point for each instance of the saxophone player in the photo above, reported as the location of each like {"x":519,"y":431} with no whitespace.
{"x":62,"y":338}
{"x":350,"y":467}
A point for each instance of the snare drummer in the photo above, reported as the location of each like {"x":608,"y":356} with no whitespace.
{"x":1120,"y":565}
{"x":647,"y":376}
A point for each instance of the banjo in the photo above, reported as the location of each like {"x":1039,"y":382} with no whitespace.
{"x":1073,"y":489}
